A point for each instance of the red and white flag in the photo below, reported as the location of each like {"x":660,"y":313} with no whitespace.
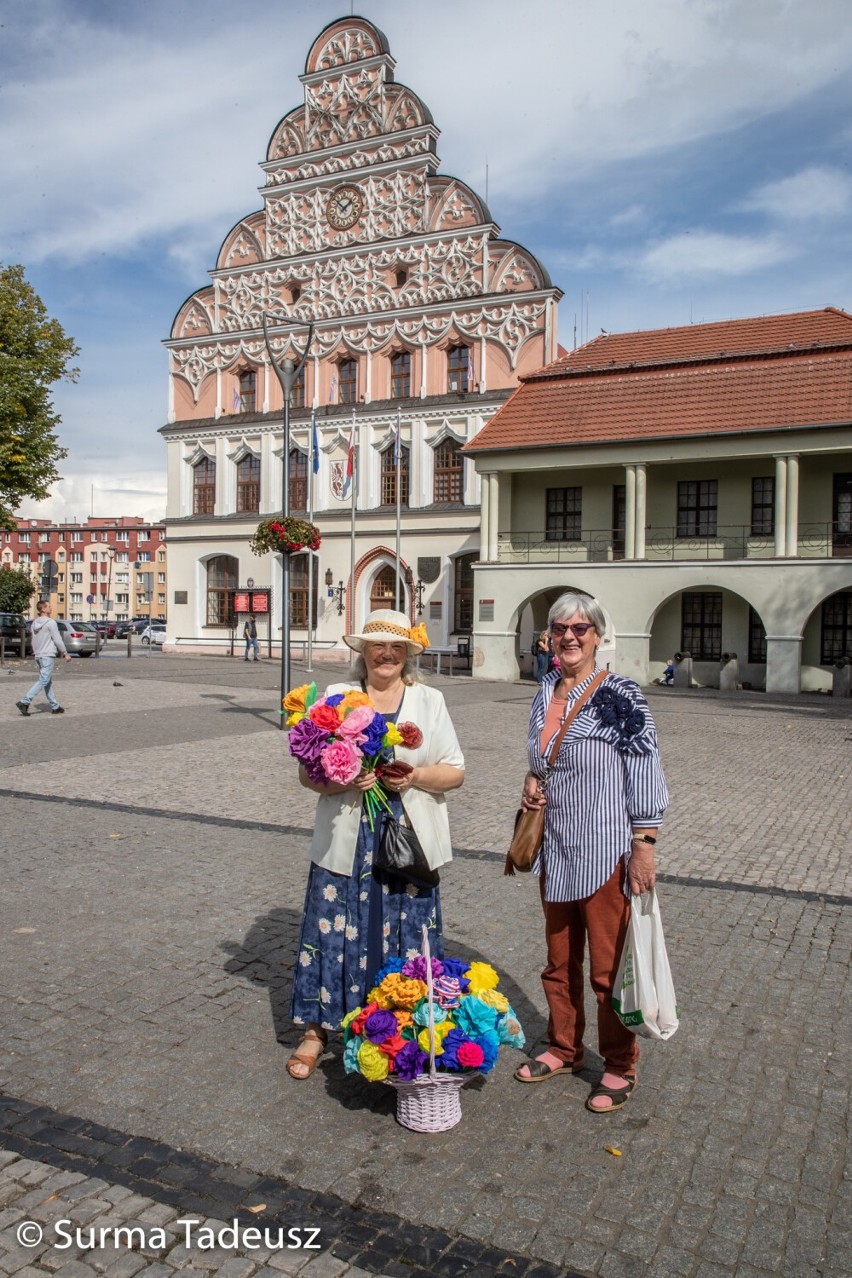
{"x":350,"y":461}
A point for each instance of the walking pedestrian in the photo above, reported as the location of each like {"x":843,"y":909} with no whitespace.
{"x":47,"y":646}
{"x":250,"y":636}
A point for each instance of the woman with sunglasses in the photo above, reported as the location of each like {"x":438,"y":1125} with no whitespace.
{"x":605,"y":798}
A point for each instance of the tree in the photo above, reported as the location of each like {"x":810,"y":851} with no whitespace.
{"x":34,"y":353}
{"x":16,"y":589}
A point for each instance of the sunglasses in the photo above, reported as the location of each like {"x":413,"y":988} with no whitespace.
{"x":578,"y":630}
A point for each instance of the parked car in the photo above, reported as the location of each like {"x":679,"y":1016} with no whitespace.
{"x":123,"y":629}
{"x":106,"y":629}
{"x":11,"y":625}
{"x":140,"y":624}
{"x":155,"y":634}
{"x":79,"y":637}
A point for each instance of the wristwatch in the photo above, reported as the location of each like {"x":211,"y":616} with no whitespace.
{"x":644,"y":838}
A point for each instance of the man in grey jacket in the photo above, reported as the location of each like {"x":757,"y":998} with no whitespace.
{"x":47,"y":646}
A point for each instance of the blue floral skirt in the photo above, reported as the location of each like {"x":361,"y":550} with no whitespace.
{"x":352,"y":925}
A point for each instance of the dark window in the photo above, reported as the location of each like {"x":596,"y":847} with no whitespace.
{"x":763,"y":506}
{"x":383,"y":593}
{"x":836,"y":628}
{"x":696,"y":507}
{"x":400,"y":375}
{"x":564,"y":518}
{"x":248,"y":485}
{"x":449,"y":472}
{"x":401,"y":278}
{"x":222,"y":578}
{"x":701,"y":628}
{"x":389,"y":476}
{"x":842,"y":516}
{"x":204,"y":487}
{"x":619,"y":520}
{"x":297,"y":394}
{"x":298,"y":480}
{"x":756,"y":638}
{"x":299,"y":592}
{"x":348,"y":375}
{"x":459,"y":366}
{"x":463,"y":594}
{"x":248,"y":391}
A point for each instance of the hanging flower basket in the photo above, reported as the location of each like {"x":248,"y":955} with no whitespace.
{"x":285,"y":536}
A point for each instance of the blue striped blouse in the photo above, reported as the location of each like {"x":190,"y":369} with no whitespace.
{"x":608,"y":781}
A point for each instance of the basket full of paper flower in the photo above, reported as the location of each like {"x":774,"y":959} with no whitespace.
{"x":428,"y":1026}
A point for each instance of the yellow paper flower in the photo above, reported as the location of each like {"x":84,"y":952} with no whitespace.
{"x":441,"y":1032}
{"x":296,"y":699}
{"x":418,"y":634}
{"x":373,"y":1064}
{"x":493,"y":998}
{"x":403,"y":1019}
{"x":350,"y":1017}
{"x":482,"y":977}
{"x":393,"y":736}
{"x":380,"y":997}
{"x":296,"y":717}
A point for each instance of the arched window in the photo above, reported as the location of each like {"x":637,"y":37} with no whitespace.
{"x":204,"y":487}
{"x":449,"y":472}
{"x":298,"y":480}
{"x":297,"y":394}
{"x":248,"y":391}
{"x":299,"y":592}
{"x":389,"y":476}
{"x":400,"y":375}
{"x":222,"y":579}
{"x":383,"y":592}
{"x":459,"y":369}
{"x":248,"y":485}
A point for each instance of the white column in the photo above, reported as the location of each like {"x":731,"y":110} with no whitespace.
{"x":780,"y":507}
{"x":368,"y":379}
{"x":267,"y":462}
{"x":493,"y":516}
{"x":483,"y":365}
{"x":792,"y":523}
{"x":484,"y":512}
{"x":265,"y":369}
{"x":217,"y":411}
{"x":629,"y":512}
{"x":222,"y":466}
{"x":423,"y":361}
{"x":315,"y":401}
{"x":641,"y":486}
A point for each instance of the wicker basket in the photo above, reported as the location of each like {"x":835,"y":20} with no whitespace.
{"x":431,"y":1102}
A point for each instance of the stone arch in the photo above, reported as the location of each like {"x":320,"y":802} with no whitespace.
{"x":367,"y":569}
{"x":344,"y":41}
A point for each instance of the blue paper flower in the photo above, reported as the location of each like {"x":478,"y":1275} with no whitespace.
{"x":457,"y":968}
{"x":475,"y":1017}
{"x":490,"y":1045}
{"x":509,"y":1029}
{"x":392,"y":965}
{"x":450,"y":1054}
{"x":350,"y":1054}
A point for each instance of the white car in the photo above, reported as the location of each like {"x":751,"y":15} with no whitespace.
{"x":155,"y":634}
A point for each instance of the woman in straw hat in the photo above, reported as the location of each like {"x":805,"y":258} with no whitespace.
{"x":357,"y":917}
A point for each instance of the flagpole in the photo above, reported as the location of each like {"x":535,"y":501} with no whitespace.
{"x":310,"y":648}
{"x":352,"y":535}
{"x":398,"y":452}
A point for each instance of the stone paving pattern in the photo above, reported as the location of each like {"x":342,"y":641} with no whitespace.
{"x":154,"y":864}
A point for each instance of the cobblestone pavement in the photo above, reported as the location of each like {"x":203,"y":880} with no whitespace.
{"x":154,"y":862}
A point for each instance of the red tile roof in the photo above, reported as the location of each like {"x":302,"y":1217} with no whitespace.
{"x":742,"y":375}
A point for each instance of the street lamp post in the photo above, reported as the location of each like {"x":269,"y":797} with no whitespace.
{"x":287,"y":373}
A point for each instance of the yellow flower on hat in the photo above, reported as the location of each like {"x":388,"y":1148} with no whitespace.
{"x":418,"y":634}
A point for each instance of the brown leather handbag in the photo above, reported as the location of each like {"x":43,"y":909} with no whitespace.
{"x":529,"y":826}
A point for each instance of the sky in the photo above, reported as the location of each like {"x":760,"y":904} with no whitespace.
{"x":668,"y":161}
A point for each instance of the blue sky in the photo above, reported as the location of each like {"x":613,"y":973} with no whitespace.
{"x":669,"y":161}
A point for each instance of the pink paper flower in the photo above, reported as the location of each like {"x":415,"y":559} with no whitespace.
{"x":341,"y":762}
{"x":355,"y":722}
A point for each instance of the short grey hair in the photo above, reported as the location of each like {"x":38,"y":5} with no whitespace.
{"x":410,"y":673}
{"x":576,"y":601}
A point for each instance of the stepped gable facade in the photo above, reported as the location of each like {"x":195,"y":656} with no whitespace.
{"x":424,"y":316}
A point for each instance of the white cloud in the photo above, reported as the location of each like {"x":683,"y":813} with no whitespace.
{"x":816,"y":193}
{"x":710,"y":253}
{"x":80,"y":494}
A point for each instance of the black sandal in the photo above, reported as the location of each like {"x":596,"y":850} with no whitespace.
{"x":539,"y":1071}
{"x":618,"y":1095}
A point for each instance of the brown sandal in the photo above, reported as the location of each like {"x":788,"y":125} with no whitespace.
{"x":310,"y":1062}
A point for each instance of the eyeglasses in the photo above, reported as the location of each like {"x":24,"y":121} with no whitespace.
{"x":578,"y":630}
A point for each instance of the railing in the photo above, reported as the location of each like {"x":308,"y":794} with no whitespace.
{"x":662,"y":544}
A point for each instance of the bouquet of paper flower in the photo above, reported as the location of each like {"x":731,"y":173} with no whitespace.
{"x":338,"y":736}
{"x":390,"y":1035}
{"x":285,"y":534}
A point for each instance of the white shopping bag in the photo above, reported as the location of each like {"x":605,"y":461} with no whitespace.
{"x":643,"y":995}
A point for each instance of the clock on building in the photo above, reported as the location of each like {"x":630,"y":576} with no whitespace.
{"x":344,"y":207}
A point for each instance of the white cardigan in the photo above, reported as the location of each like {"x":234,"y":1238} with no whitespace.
{"x":338,"y":815}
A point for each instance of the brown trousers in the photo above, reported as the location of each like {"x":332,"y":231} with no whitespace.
{"x":602,"y":919}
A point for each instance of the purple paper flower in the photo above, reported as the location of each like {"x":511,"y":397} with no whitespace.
{"x":315,"y":772}
{"x":334,"y":700}
{"x":409,"y":1061}
{"x":379,"y":1026}
{"x":415,"y":968}
{"x":307,"y":741}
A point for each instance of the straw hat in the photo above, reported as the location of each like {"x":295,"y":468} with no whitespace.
{"x":387,"y":626}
